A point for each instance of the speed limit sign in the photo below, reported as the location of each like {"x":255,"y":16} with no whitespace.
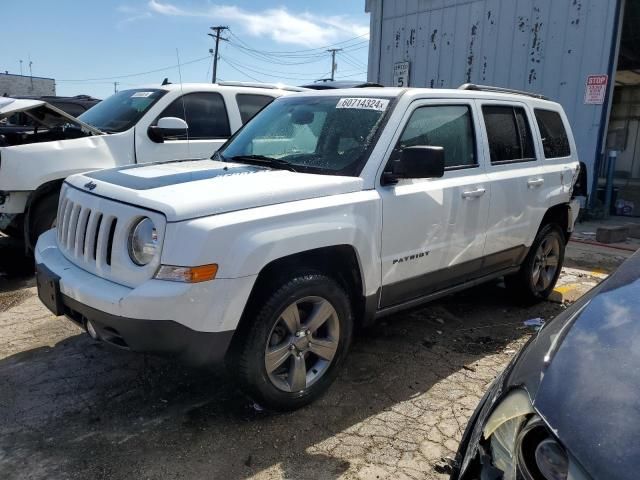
{"x":401,"y":74}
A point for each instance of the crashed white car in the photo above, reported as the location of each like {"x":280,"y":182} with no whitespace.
{"x":140,"y":125}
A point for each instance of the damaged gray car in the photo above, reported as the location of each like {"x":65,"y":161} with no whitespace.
{"x":567,"y":407}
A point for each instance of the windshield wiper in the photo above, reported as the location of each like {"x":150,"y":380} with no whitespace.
{"x":263,"y":160}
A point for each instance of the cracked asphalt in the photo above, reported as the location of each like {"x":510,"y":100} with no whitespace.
{"x":72,"y":408}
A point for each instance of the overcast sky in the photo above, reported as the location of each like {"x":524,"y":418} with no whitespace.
{"x":83,"y":44}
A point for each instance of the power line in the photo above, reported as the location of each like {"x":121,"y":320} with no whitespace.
{"x":242,"y":69}
{"x":320,"y":50}
{"x":261,"y":70}
{"x":354,"y":60}
{"x":308,"y":53}
{"x":273,"y":74}
{"x":274,"y":60}
{"x":238,"y":70}
{"x":115,"y":77}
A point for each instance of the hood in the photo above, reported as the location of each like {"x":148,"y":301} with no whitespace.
{"x":197,"y":188}
{"x":582,"y":372}
{"x":41,"y":112}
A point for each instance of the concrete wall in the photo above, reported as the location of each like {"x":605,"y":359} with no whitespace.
{"x":544,"y":46}
{"x":25,"y":85}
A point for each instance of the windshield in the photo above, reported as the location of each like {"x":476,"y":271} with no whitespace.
{"x":330,"y":135}
{"x":122,"y":110}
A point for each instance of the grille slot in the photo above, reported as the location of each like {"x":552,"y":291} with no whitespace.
{"x":112,"y":232}
{"x":96,"y":234}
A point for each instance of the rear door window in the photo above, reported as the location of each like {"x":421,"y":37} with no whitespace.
{"x":204,"y":112}
{"x":509,"y":134}
{"x":250,"y":104}
{"x":554,"y":136}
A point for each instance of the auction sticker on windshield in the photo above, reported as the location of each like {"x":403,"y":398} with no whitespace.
{"x":379,"y":104}
{"x":141,"y":94}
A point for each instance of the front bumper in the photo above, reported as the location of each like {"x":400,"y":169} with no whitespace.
{"x":194,"y":322}
{"x":163,"y":337}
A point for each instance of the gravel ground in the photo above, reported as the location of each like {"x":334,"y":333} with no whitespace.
{"x":73,"y":408}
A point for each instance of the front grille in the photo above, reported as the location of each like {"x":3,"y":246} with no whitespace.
{"x":86,"y":233}
{"x":93,"y":232}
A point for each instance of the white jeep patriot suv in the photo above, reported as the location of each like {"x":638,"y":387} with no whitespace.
{"x":326,"y":211}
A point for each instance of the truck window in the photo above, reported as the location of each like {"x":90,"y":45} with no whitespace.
{"x":509,"y":134}
{"x":554,"y":136}
{"x":122,"y":110}
{"x":250,"y":104}
{"x":206,"y":115}
{"x":447,"y":126}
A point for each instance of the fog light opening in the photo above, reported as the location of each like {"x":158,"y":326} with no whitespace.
{"x":91,"y":330}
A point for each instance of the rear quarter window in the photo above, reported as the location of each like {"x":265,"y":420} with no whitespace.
{"x":554,"y":135}
{"x":250,"y":104}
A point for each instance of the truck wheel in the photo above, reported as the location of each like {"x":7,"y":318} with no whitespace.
{"x":43,"y":216}
{"x":541,"y":268}
{"x":294,"y":342}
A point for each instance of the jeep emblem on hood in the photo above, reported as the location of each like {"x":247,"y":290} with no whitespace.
{"x":90,"y":186}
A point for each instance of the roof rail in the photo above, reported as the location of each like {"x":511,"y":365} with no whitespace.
{"x":488,"y":88}
{"x":271,"y":86}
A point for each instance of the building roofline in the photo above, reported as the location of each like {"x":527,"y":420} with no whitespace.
{"x":6,"y":74}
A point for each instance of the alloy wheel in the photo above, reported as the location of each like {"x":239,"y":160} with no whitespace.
{"x":545,"y":263}
{"x":302,"y":344}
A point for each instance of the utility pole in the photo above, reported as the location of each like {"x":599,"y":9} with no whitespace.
{"x":334,"y":66}
{"x":217,"y":37}
{"x":115,"y":87}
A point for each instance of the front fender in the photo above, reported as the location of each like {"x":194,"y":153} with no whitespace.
{"x":26,"y":167}
{"x":242,"y":243}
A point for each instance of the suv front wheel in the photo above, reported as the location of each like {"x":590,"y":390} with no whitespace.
{"x":291,"y":347}
{"x":541,"y":268}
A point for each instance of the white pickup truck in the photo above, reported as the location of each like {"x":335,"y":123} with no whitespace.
{"x":139,"y":125}
{"x":328,"y":210}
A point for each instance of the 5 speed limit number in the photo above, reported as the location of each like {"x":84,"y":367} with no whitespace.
{"x":401,"y":74}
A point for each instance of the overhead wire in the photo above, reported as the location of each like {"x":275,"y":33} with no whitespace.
{"x":272,"y":74}
{"x":129,"y":75}
{"x":306,"y":51}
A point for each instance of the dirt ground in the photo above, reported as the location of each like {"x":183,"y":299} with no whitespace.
{"x":73,"y":408}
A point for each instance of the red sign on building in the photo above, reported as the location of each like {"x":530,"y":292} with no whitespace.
{"x":596,"y":89}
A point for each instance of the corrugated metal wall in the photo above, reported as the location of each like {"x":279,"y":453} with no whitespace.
{"x":545,"y":46}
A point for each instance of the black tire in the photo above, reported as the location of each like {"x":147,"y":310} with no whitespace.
{"x":42,"y":216}
{"x":530,"y":287}
{"x":260,"y":326}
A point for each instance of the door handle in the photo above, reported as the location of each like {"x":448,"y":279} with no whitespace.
{"x":535,"y":182}
{"x":478,"y":192}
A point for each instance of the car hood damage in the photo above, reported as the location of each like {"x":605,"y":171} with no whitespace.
{"x":196,"y":188}
{"x":24,"y":121}
{"x":582,"y":373}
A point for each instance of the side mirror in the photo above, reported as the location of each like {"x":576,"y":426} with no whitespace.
{"x":416,"y":162}
{"x":167,"y":127}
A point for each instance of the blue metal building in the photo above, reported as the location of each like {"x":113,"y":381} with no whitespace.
{"x":560,"y":48}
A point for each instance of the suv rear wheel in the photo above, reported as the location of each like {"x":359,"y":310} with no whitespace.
{"x":540,"y":270}
{"x":291,"y":349}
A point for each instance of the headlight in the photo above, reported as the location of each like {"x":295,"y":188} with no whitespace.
{"x":551,"y":460}
{"x":539,"y":453}
{"x":521,"y":444}
{"x":143,"y":242}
